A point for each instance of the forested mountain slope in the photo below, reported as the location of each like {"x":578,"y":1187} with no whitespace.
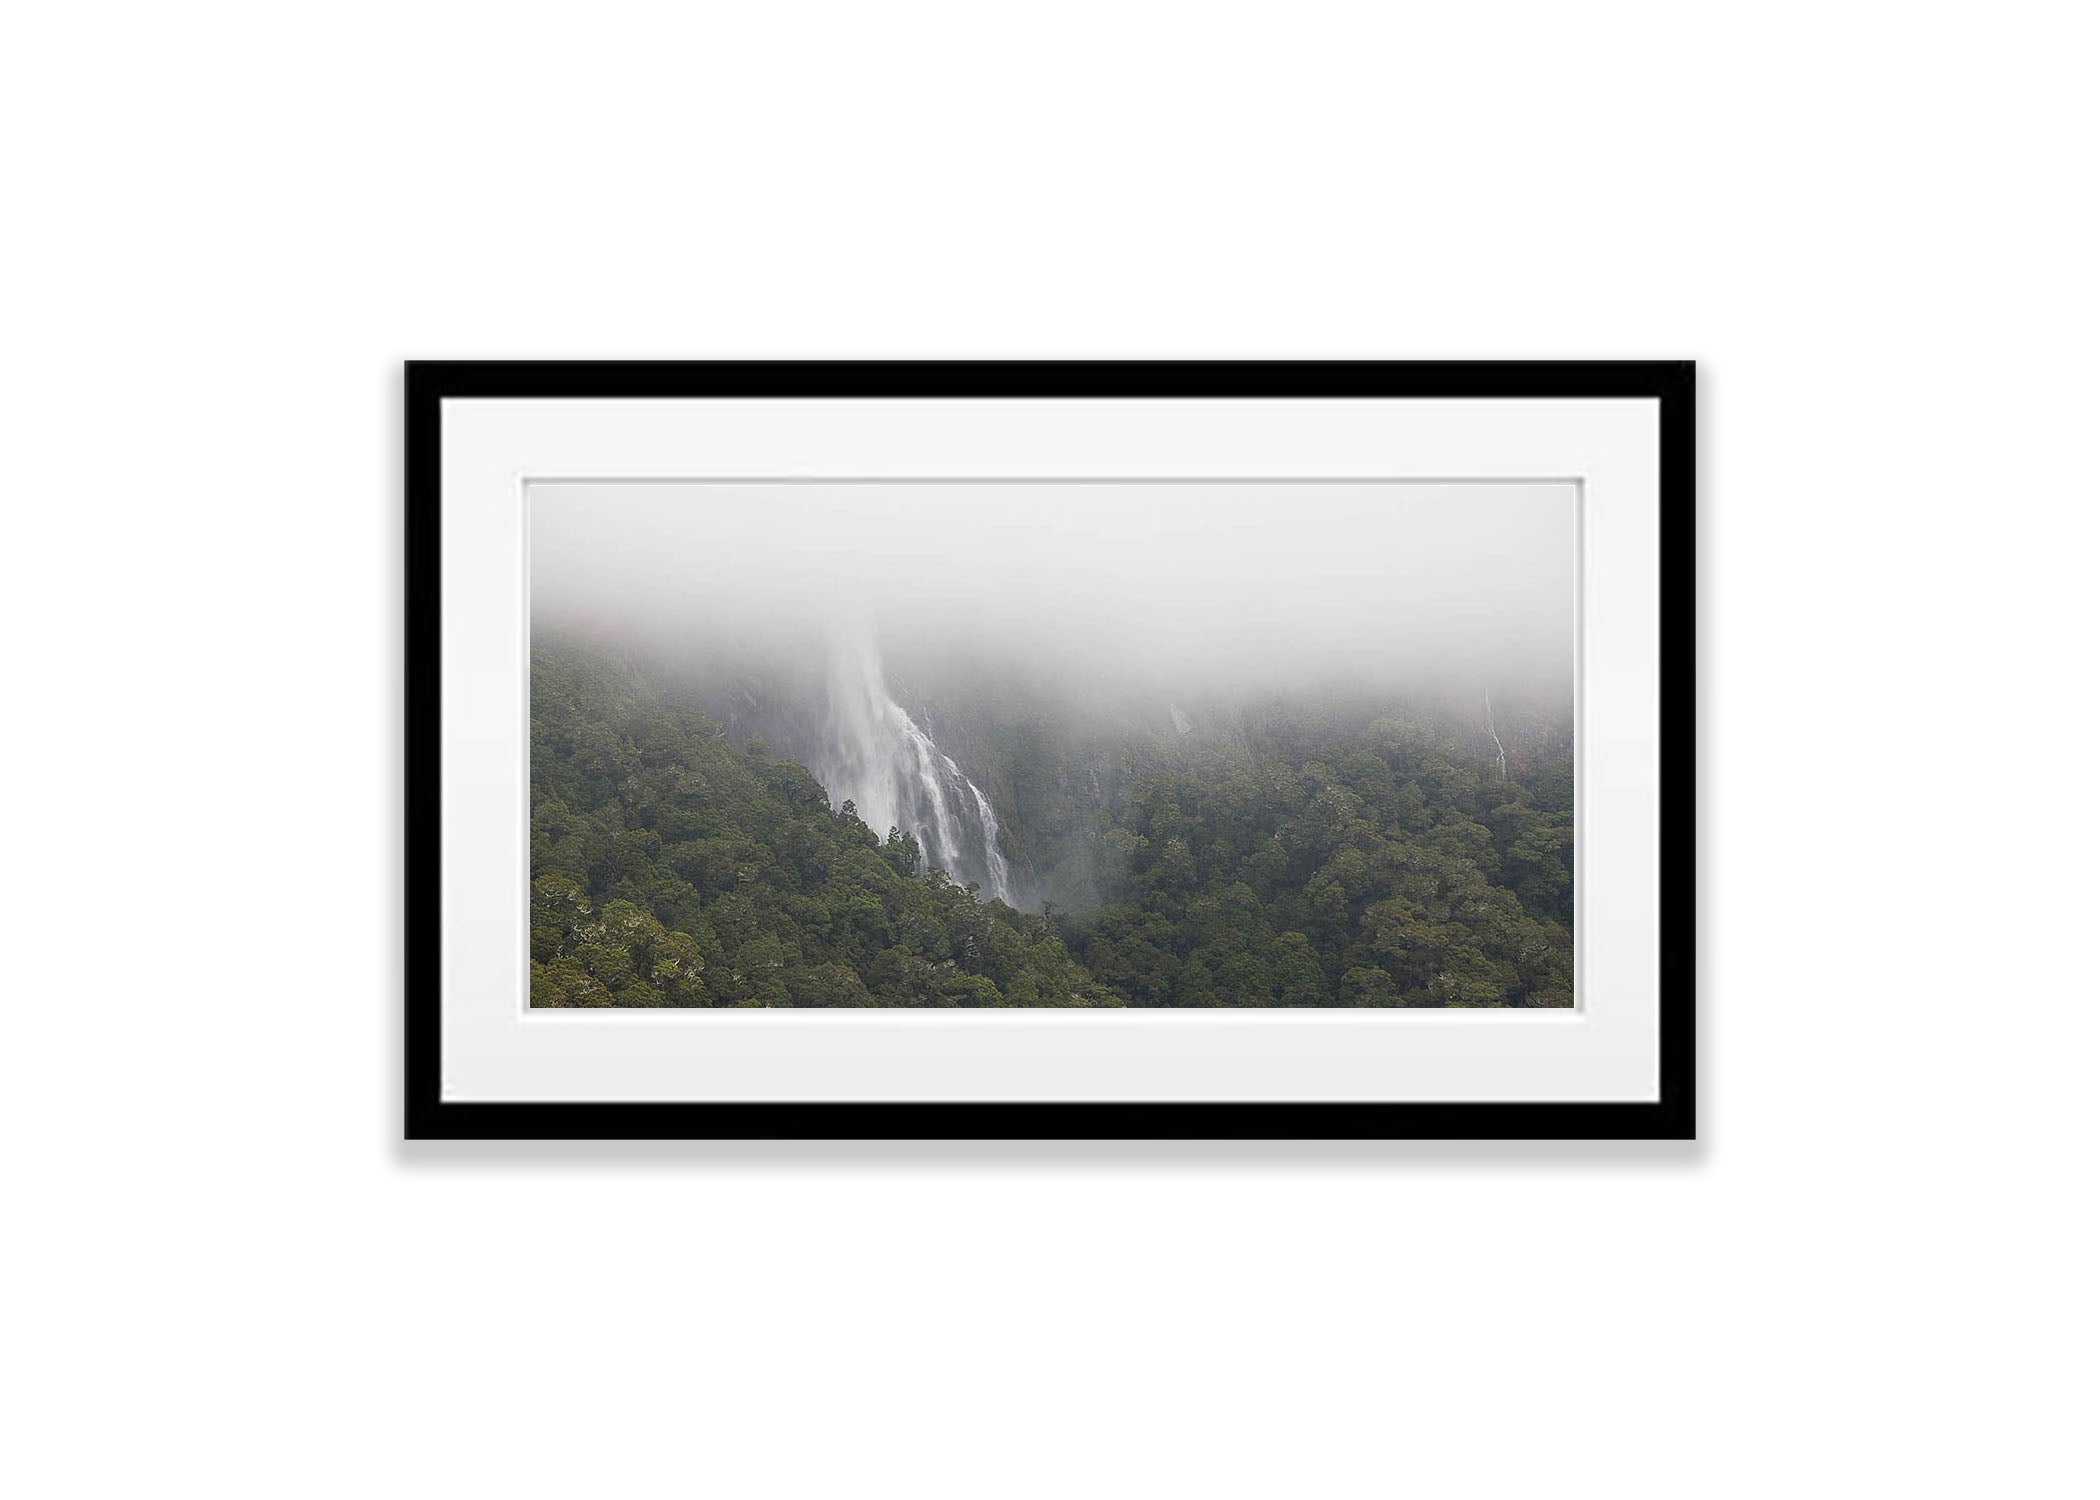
{"x":671,"y":867}
{"x":1292,"y":854}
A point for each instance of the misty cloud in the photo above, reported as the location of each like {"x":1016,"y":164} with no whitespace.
{"x":1232,"y":585}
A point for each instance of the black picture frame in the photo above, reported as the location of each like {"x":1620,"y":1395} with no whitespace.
{"x":428,"y":384}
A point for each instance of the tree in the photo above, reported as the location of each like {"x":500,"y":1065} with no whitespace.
{"x":1369,"y":987}
{"x":761,"y":972}
{"x":1297,"y":972}
{"x":902,"y":851}
{"x":827,"y":985}
{"x":679,"y":971}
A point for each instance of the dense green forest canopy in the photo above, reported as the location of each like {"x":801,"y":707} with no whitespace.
{"x":1312,"y":856}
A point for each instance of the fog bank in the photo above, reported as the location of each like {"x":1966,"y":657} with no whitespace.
{"x":1230,"y":586}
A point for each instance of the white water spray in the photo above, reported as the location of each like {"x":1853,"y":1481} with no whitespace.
{"x":1001,"y":876}
{"x":878,"y":757}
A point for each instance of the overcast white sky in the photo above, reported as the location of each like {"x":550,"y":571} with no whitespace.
{"x":1236,"y":582}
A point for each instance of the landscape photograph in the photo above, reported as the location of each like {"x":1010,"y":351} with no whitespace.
{"x":1052,"y":744}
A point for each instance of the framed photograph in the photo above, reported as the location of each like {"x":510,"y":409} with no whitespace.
{"x":1075,"y":750}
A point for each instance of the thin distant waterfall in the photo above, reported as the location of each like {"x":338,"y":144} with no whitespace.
{"x":877,"y":756}
{"x":1501,"y":759}
{"x":1002,"y":881}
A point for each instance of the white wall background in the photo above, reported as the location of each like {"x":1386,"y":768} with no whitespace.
{"x":226,"y":224}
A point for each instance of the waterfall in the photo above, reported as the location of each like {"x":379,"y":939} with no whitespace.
{"x":876,"y":755}
{"x":1501,"y":760}
{"x":1002,"y":881}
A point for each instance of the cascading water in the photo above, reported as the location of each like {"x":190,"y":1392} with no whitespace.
{"x":876,"y":756}
{"x":1001,"y":877}
{"x":1501,"y":758}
